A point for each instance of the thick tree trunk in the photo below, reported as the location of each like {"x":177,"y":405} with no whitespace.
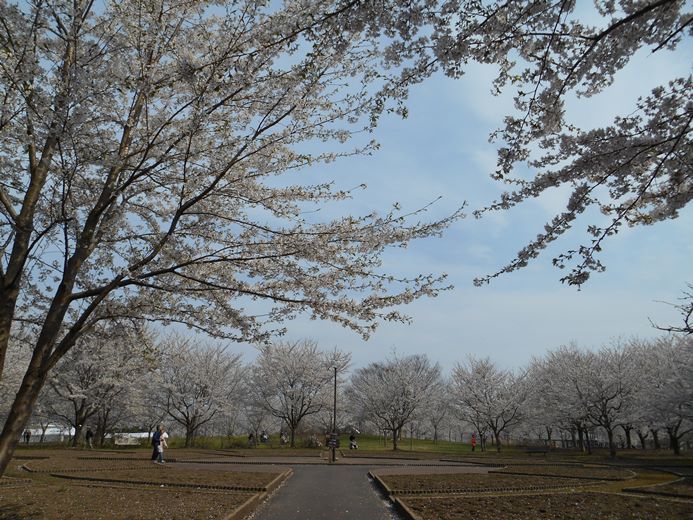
{"x":8,"y":299}
{"x":655,"y":439}
{"x":101,"y":427}
{"x":189,"y":436}
{"x":496,"y":436}
{"x":19,"y":415}
{"x":674,"y":440}
{"x":612,"y":446}
{"x":395,"y":432}
{"x":78,"y":435}
{"x":643,"y":439}
{"x":629,"y":441}
{"x":581,"y":439}
{"x":81,"y":416}
{"x":588,"y":441}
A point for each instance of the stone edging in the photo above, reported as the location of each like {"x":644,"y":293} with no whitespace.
{"x":392,"y":492}
{"x":252,"y":503}
{"x":13,"y":481}
{"x":402,"y":508}
{"x":491,"y":489}
{"x":247,"y":489}
{"x":638,"y":491}
{"x":479,"y":463}
{"x":83,"y":470}
{"x":607,"y":479}
{"x":141,"y":459}
{"x":643,"y":490}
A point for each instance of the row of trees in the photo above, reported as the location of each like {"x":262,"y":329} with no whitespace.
{"x":636,"y":387}
{"x":642,"y":388}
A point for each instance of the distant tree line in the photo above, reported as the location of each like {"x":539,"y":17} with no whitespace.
{"x":633,"y":393}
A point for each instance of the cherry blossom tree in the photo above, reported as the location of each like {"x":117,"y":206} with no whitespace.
{"x":196,"y":383}
{"x":437,"y":413}
{"x":636,"y":170}
{"x":390,"y":393}
{"x":607,"y":388}
{"x":665,"y":392}
{"x":594,"y":389}
{"x":95,"y":377}
{"x":292,"y":380}
{"x":484,"y":393}
{"x":140,"y":147}
{"x":556,"y":378}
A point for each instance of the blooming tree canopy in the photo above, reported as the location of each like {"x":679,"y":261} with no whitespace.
{"x":96,"y":376}
{"x":636,"y":170}
{"x":485,"y":393}
{"x":140,"y":145}
{"x":291,"y":380}
{"x":391,"y":392}
{"x":195,"y":383}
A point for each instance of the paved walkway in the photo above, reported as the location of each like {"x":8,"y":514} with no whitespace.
{"x":324,"y":492}
{"x":318,"y":490}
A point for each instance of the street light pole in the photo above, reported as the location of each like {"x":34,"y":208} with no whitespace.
{"x":334,"y":419}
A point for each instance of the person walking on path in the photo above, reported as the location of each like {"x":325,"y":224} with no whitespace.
{"x":473,"y":441}
{"x":156,"y":442}
{"x":162,"y":443}
{"x":27,"y":435}
{"x":90,"y":438}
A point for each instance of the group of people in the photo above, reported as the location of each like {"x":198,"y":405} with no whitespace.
{"x":264,"y":438}
{"x":158,"y":444}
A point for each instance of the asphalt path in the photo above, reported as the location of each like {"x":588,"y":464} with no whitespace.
{"x":327,"y":492}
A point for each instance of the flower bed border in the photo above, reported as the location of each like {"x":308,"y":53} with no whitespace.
{"x":252,"y":489}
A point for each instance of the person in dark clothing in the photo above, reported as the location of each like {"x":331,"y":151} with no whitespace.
{"x":156,"y":440}
{"x":352,"y":442}
{"x":89,"y":436}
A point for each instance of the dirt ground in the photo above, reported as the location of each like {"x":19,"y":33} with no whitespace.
{"x":40,"y":495}
{"x":557,"y":506}
{"x":432,"y":492}
{"x":590,"y":492}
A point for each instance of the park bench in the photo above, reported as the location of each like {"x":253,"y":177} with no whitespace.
{"x":537,"y":449}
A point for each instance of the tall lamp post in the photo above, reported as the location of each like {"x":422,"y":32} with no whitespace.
{"x":334,"y":419}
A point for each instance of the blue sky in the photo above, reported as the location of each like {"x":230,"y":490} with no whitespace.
{"x":442,"y":149}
